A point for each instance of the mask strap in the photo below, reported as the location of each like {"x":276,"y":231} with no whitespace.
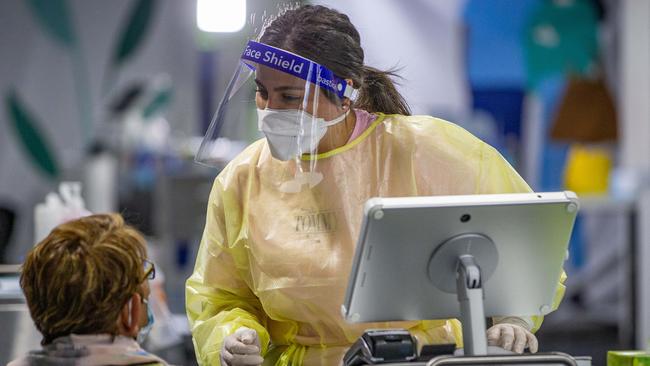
{"x":130,"y":308}
{"x":337,"y":119}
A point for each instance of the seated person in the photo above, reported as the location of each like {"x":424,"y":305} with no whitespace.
{"x":86,"y":286}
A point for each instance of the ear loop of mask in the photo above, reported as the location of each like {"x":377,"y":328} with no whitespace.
{"x":131,"y":308}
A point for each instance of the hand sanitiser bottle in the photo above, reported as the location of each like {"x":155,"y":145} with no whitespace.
{"x":58,"y":208}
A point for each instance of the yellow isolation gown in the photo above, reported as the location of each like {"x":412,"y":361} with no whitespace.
{"x":279,"y":262}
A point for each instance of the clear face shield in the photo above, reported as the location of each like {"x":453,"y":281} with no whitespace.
{"x":291,"y":100}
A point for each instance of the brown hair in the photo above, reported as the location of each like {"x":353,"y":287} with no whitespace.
{"x":80,"y":276}
{"x":328,"y":37}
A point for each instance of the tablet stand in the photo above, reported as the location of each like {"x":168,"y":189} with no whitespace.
{"x":461,"y":265}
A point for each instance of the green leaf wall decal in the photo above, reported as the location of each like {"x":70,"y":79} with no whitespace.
{"x":54,"y":17}
{"x":158,"y":103}
{"x":136,"y":28}
{"x":25,"y":127}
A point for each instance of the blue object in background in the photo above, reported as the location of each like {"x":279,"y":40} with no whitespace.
{"x":505,"y":106}
{"x":553,"y":155}
{"x":182,"y":253}
{"x":498,"y":71}
{"x":496,"y":29}
{"x":143,"y":169}
{"x":576,"y":246}
{"x":496,"y":65}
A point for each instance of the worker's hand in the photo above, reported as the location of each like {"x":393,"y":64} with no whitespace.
{"x":241,"y":348}
{"x":512,"y":335}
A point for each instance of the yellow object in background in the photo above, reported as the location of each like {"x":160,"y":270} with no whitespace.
{"x":628,"y":358}
{"x":587,"y":169}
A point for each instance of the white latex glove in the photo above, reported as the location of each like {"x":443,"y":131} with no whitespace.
{"x":512,"y":334}
{"x":241,"y":348}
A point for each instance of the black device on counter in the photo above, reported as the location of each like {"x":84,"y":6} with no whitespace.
{"x":430,"y":351}
{"x":382,"y":346}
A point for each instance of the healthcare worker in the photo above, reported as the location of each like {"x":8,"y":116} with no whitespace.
{"x":284,"y":216}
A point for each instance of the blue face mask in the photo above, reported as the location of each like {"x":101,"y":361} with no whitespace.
{"x":144,"y":331}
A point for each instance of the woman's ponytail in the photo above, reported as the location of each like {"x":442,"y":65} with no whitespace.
{"x":378,"y":93}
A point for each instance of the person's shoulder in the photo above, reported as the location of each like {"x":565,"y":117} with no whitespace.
{"x":438,"y":130}
{"x":423,"y":122}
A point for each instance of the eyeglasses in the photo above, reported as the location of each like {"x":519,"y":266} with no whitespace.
{"x":149,"y":270}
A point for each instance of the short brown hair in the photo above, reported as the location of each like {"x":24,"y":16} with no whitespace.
{"x":80,"y":276}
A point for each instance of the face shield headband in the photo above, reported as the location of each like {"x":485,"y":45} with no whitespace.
{"x":298,"y":66}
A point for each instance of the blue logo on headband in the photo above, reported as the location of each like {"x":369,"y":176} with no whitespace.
{"x":295,"y":65}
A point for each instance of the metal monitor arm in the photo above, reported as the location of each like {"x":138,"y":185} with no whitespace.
{"x":461,"y":265}
{"x":470,"y":296}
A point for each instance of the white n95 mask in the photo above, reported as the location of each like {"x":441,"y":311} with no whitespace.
{"x":292,"y":132}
